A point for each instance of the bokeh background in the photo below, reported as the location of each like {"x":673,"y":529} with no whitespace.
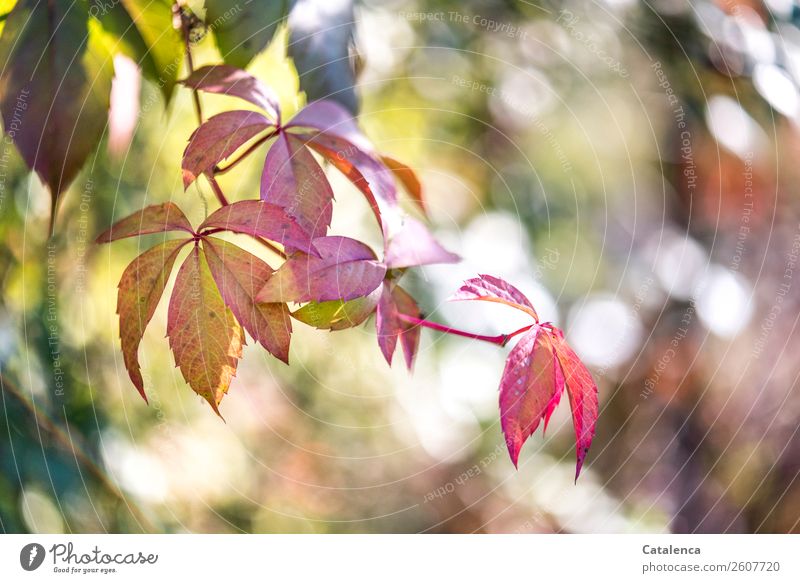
{"x":632,"y":166}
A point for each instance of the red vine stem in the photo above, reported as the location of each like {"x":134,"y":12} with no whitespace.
{"x":500,"y":340}
{"x":198,"y":108}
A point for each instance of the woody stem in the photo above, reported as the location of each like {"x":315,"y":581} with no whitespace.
{"x":223,"y":201}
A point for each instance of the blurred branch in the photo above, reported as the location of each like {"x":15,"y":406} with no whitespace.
{"x":64,"y":438}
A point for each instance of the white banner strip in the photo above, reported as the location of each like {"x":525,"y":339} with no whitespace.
{"x":401,"y":558}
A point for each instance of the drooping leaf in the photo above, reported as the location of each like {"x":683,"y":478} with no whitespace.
{"x":409,"y":333}
{"x":156,"y":218}
{"x":239,"y":275}
{"x":529,"y":390}
{"x":293,"y":180}
{"x":243,"y":29}
{"x":338,"y":314}
{"x":144,"y":31}
{"x":346,"y":269}
{"x":227,"y":80}
{"x":582,"y":392}
{"x":204,"y":336}
{"x":408,"y":178}
{"x":219,"y":137}
{"x":390,"y":327}
{"x":493,"y":289}
{"x":320,"y":44}
{"x":413,"y":244}
{"x":260,"y":219}
{"x":54,"y":87}
{"x":140,"y":290}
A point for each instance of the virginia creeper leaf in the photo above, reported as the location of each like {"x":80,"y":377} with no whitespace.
{"x":320,"y":44}
{"x":333,"y":120}
{"x":408,"y":178}
{"x":582,"y":393}
{"x":528,"y":388}
{"x":218,"y":138}
{"x":260,"y":219}
{"x":156,"y":218}
{"x":54,"y":87}
{"x":346,"y":269}
{"x":239,"y":275}
{"x":339,"y":314}
{"x":242,"y":30}
{"x":493,"y":289}
{"x":293,"y":180}
{"x":413,"y":244}
{"x":140,"y":290}
{"x":227,"y":80}
{"x":204,"y":336}
{"x":390,"y":327}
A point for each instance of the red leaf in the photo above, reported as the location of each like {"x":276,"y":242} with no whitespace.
{"x":260,"y":219}
{"x":228,"y":80}
{"x":408,"y":179}
{"x":494,"y":289}
{"x":582,"y":392}
{"x":140,"y":290}
{"x":156,"y":218}
{"x":292,"y":179}
{"x":390,"y":328}
{"x":218,"y":138}
{"x":239,"y":275}
{"x":413,"y":244}
{"x":371,"y":177}
{"x":346,"y":269}
{"x":204,"y":336}
{"x":334,"y":120}
{"x":528,"y":391}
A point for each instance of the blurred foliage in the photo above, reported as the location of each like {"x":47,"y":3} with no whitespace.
{"x":628,"y":165}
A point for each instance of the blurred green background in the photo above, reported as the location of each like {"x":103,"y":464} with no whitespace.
{"x":631,"y":166}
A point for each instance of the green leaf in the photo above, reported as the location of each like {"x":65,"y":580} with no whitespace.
{"x":54,"y":87}
{"x":144,"y":31}
{"x":338,"y":314}
{"x":243,"y":29}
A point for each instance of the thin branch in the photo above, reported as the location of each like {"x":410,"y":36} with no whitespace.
{"x":500,"y":340}
{"x":66,"y":440}
{"x":255,"y":145}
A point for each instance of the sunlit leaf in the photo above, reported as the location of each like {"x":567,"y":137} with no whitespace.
{"x":140,"y":290}
{"x":413,"y":244}
{"x":239,"y":275}
{"x":218,"y":138}
{"x":494,"y":289}
{"x":346,"y":269}
{"x":204,"y":336}
{"x":227,"y":80}
{"x":156,"y":218}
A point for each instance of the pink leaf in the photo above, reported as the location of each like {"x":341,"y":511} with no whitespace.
{"x":218,"y":138}
{"x":292,"y":179}
{"x":228,"y":80}
{"x":260,"y":219}
{"x":390,"y":328}
{"x":156,"y":218}
{"x":582,"y":392}
{"x":346,"y":269}
{"x":528,"y":388}
{"x":239,"y":275}
{"x":413,"y":244}
{"x":494,"y":289}
{"x":332,"y":119}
